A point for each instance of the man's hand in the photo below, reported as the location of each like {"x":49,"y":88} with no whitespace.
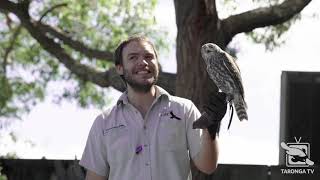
{"x":213,"y":113}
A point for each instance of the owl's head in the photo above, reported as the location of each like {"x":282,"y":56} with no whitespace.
{"x":209,"y":51}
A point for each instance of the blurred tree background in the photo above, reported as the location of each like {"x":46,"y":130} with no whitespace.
{"x":71,"y":42}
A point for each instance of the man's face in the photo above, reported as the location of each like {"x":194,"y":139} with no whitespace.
{"x":140,"y":66}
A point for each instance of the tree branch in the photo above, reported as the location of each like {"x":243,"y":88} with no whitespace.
{"x":51,"y":9}
{"x":211,"y":8}
{"x":168,"y":82}
{"x":8,"y":21}
{"x":76,"y":45}
{"x":84,"y":72}
{"x":10,"y":48}
{"x":7,"y":6}
{"x":261,"y":17}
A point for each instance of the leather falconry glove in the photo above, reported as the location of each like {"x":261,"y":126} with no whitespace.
{"x":213,"y":113}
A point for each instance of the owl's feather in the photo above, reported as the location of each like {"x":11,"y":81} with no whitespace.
{"x":234,"y":70}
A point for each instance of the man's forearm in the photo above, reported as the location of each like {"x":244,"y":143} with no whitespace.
{"x":208,"y":156}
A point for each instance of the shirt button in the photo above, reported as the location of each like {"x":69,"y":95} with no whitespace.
{"x":147,"y":164}
{"x":146,"y":145}
{"x":144,"y":127}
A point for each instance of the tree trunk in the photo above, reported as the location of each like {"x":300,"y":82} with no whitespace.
{"x":197,"y":24}
{"x":195,"y":27}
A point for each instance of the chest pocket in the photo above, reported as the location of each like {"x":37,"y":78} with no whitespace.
{"x":172,"y":134}
{"x":118,"y":146}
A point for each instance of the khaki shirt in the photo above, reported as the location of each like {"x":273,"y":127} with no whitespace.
{"x":124,"y":146}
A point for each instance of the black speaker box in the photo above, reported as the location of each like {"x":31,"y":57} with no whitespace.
{"x":300,"y":112}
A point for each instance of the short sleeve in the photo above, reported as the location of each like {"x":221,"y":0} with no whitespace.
{"x":193,"y":135}
{"x":94,"y":157}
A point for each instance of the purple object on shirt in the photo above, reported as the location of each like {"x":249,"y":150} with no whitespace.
{"x":138,"y":149}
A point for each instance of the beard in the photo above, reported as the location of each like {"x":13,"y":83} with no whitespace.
{"x":138,"y":86}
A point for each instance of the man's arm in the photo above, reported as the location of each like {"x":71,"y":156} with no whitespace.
{"x":94,"y":176}
{"x":209,"y":121}
{"x":207,"y":160}
{"x":94,"y":158}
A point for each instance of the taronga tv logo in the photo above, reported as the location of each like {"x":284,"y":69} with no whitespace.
{"x":297,"y":158}
{"x":297,"y":154}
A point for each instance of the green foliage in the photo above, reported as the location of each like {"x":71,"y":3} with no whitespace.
{"x":102,"y":24}
{"x":10,"y":155}
{"x":86,"y":94}
{"x":272,"y":36}
{"x":26,"y":69}
{"x":2,"y":176}
{"x":99,"y":24}
{"x":7,"y":156}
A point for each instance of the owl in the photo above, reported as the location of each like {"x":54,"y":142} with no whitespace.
{"x":225,"y":73}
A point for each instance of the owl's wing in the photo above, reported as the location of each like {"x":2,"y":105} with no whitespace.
{"x":234,"y":71}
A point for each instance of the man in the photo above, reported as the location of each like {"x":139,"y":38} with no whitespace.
{"x":148,"y":134}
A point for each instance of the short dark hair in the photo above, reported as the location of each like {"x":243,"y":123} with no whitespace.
{"x":139,"y":38}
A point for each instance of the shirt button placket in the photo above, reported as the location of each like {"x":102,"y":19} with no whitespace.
{"x":146,"y":152}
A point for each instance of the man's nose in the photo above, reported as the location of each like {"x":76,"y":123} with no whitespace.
{"x":142,"y":61}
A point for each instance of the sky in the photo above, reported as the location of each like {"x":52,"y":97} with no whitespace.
{"x":60,"y":131}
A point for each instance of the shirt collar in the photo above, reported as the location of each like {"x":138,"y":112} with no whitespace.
{"x":160,"y":92}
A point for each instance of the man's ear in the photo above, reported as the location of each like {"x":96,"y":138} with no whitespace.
{"x":119,"y":69}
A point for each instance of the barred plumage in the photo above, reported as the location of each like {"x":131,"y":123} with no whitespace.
{"x":225,"y":73}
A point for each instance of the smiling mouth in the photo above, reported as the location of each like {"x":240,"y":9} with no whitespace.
{"x":144,"y":72}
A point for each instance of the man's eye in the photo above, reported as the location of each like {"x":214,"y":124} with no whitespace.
{"x":132,"y":57}
{"x":149,"y":57}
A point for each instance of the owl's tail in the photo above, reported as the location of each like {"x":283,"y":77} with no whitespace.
{"x":241,"y":107}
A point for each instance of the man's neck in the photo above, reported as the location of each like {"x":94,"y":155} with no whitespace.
{"x":142,"y":100}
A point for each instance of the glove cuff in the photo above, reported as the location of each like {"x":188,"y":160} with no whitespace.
{"x":214,"y":130}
